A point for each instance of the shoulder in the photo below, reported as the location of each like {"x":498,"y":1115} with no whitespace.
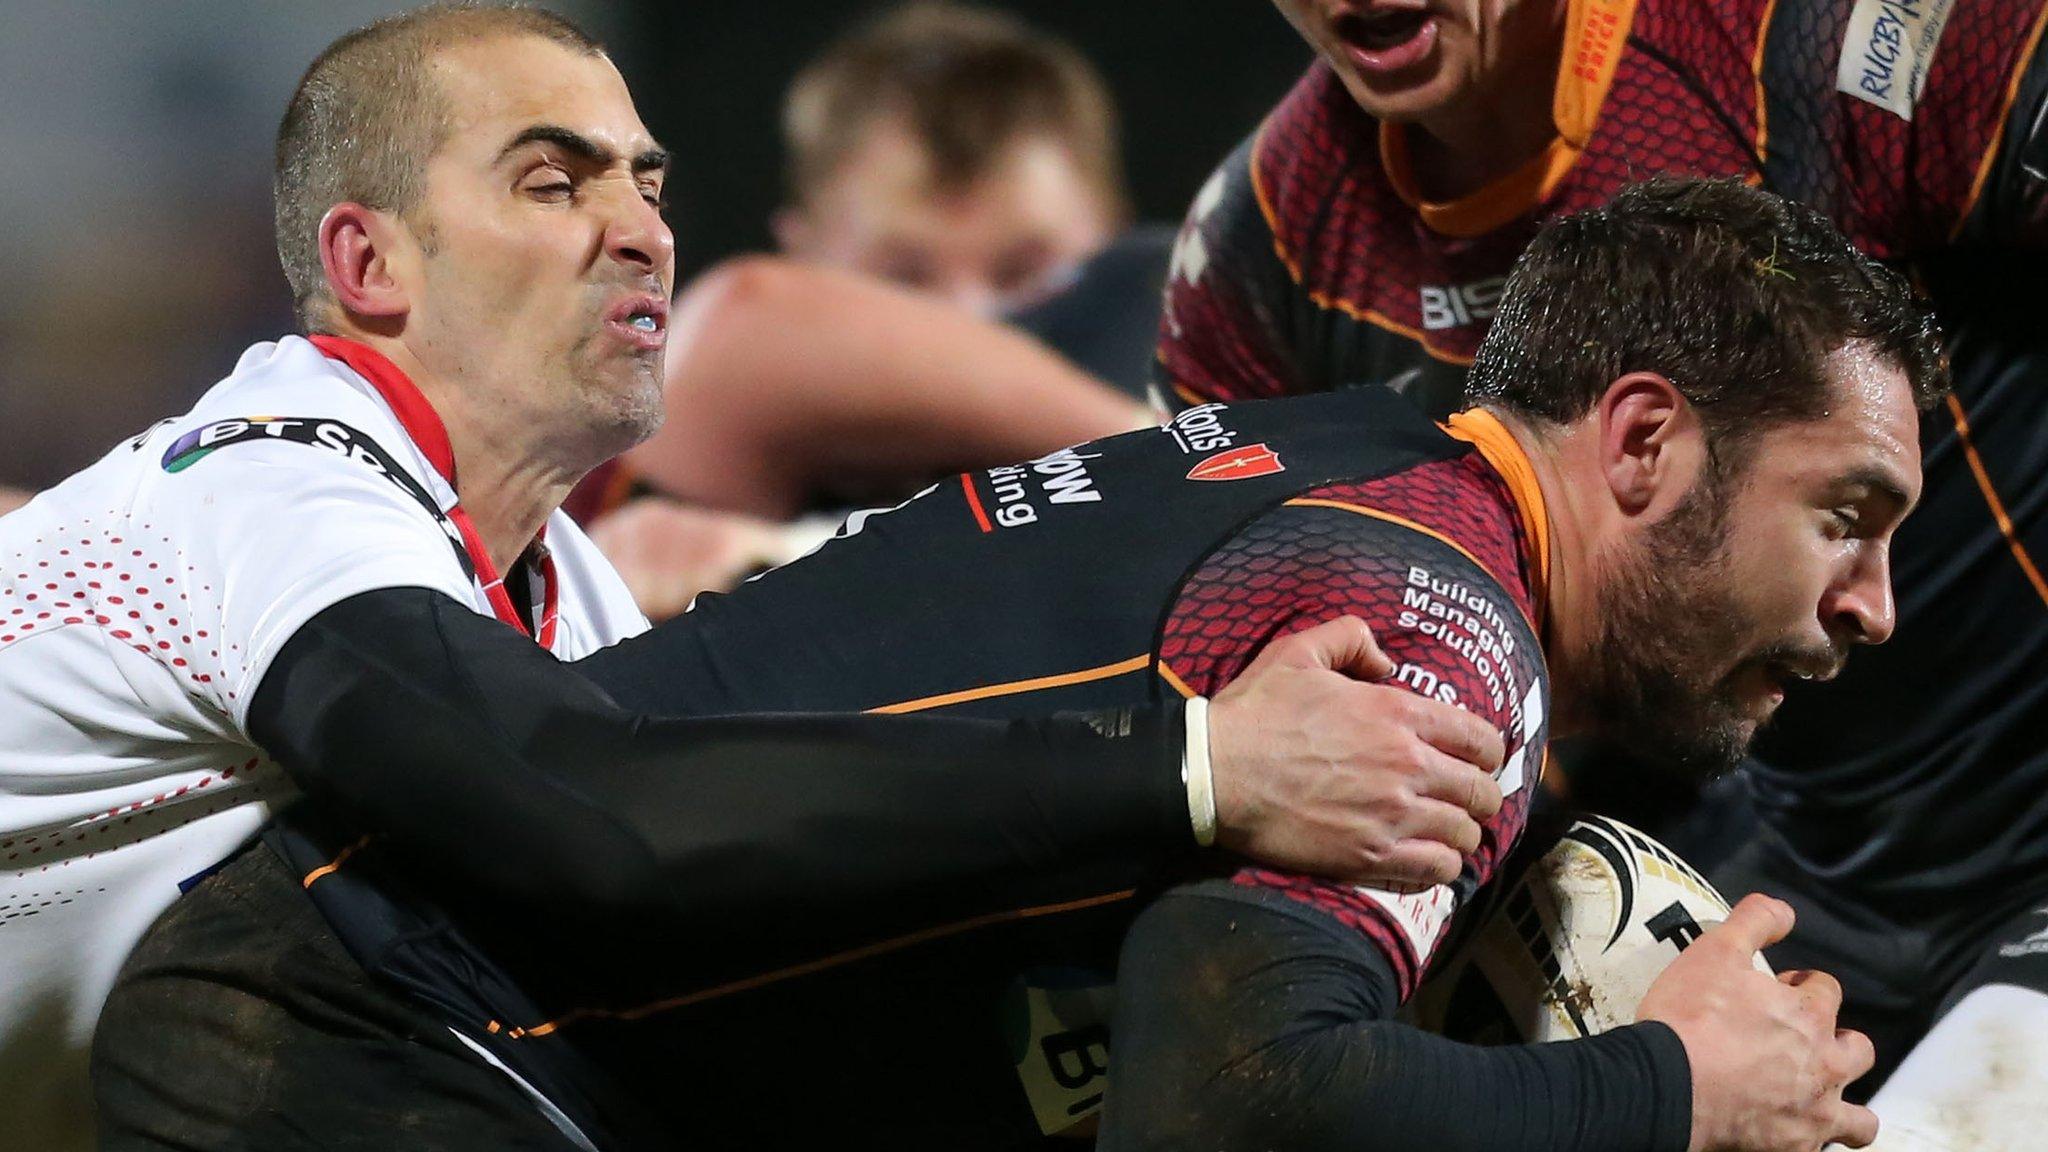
{"x":287,"y":426}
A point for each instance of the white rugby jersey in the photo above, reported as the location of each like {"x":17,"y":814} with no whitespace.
{"x":141,"y":602}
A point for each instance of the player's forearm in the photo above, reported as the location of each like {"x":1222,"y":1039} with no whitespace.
{"x":785,"y":378}
{"x":1242,"y":1026}
{"x":417,"y":720}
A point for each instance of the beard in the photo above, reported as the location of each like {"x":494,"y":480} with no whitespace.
{"x":1662,"y":687}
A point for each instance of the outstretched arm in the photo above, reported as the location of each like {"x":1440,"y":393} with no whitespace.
{"x":787,"y":380}
{"x":405,"y":714}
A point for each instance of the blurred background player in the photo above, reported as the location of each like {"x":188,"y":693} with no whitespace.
{"x":1361,"y":236}
{"x":954,"y":151}
{"x":960,"y":155}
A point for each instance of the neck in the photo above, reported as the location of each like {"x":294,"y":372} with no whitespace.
{"x":511,"y":473}
{"x":1499,"y":127}
{"x":509,"y":497}
{"x":1569,"y":601}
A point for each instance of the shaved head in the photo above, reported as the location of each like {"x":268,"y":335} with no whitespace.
{"x":366,"y":118}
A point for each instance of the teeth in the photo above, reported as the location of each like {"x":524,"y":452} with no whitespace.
{"x":644,"y":323}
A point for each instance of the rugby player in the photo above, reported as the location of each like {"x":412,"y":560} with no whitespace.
{"x":1762,"y":378}
{"x":1361,"y":236}
{"x":468,"y":217}
{"x":952,"y":172}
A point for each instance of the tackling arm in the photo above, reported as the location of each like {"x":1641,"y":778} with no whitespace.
{"x":513,"y":777}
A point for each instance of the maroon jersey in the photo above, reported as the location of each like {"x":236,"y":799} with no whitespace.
{"x":1310,"y":262}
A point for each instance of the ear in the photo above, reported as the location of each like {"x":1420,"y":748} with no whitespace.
{"x":792,"y":229}
{"x":359,"y":250}
{"x":1652,"y":446}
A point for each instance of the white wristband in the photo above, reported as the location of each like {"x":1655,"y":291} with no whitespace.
{"x":1194,"y":771}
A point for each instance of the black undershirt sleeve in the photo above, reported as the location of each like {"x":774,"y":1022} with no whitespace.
{"x":460,"y":742}
{"x":1244,"y":1022}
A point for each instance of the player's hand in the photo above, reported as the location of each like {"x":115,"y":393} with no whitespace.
{"x":1768,"y":1063}
{"x":1318,"y":772}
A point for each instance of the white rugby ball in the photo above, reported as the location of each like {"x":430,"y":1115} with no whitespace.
{"x":1568,"y":947}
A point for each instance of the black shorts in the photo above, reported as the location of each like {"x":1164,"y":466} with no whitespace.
{"x":240,"y":1022}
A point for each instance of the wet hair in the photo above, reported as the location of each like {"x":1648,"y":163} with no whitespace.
{"x":1735,"y":295}
{"x":967,"y":82}
{"x":368,"y":115}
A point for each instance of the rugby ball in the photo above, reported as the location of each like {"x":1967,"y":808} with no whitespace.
{"x":1567,"y":944}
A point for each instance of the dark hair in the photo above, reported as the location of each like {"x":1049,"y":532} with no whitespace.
{"x":1735,"y":295}
{"x":367,"y":116}
{"x":966,"y":81}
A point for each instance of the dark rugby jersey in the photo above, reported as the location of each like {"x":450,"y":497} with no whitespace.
{"x":1309,"y":262}
{"x":1107,"y":575}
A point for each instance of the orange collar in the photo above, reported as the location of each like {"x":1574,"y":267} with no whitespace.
{"x":1496,"y":445}
{"x":1595,"y":32}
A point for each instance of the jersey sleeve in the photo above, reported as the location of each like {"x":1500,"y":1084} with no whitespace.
{"x":1243,"y":1027}
{"x":1455,"y":634}
{"x":249,"y":528}
{"x":1224,"y":327}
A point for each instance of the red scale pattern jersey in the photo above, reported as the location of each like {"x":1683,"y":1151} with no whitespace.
{"x":1309,"y":561}
{"x":1311,"y":262}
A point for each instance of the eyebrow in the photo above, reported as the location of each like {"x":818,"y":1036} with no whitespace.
{"x":1880,"y":481}
{"x":654,"y":159}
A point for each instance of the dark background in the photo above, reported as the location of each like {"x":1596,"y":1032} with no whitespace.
{"x":135,"y":253}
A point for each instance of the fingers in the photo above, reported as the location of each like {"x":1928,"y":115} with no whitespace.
{"x":1449,"y":728}
{"x":1819,"y":992}
{"x":1459,"y":783}
{"x":1442,"y":823}
{"x":1415,"y":865}
{"x":1855,"y":1054}
{"x":1855,"y":1125}
{"x":1756,"y":923}
{"x":1345,"y":645}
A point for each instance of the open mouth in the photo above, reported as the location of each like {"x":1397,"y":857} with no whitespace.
{"x":640,"y":319}
{"x":1386,"y":38}
{"x":1381,"y":29}
{"x":646,"y":316}
{"x":1778,"y":676}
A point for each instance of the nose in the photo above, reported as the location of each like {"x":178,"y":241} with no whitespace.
{"x":1860,"y":604}
{"x":637,"y":236}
